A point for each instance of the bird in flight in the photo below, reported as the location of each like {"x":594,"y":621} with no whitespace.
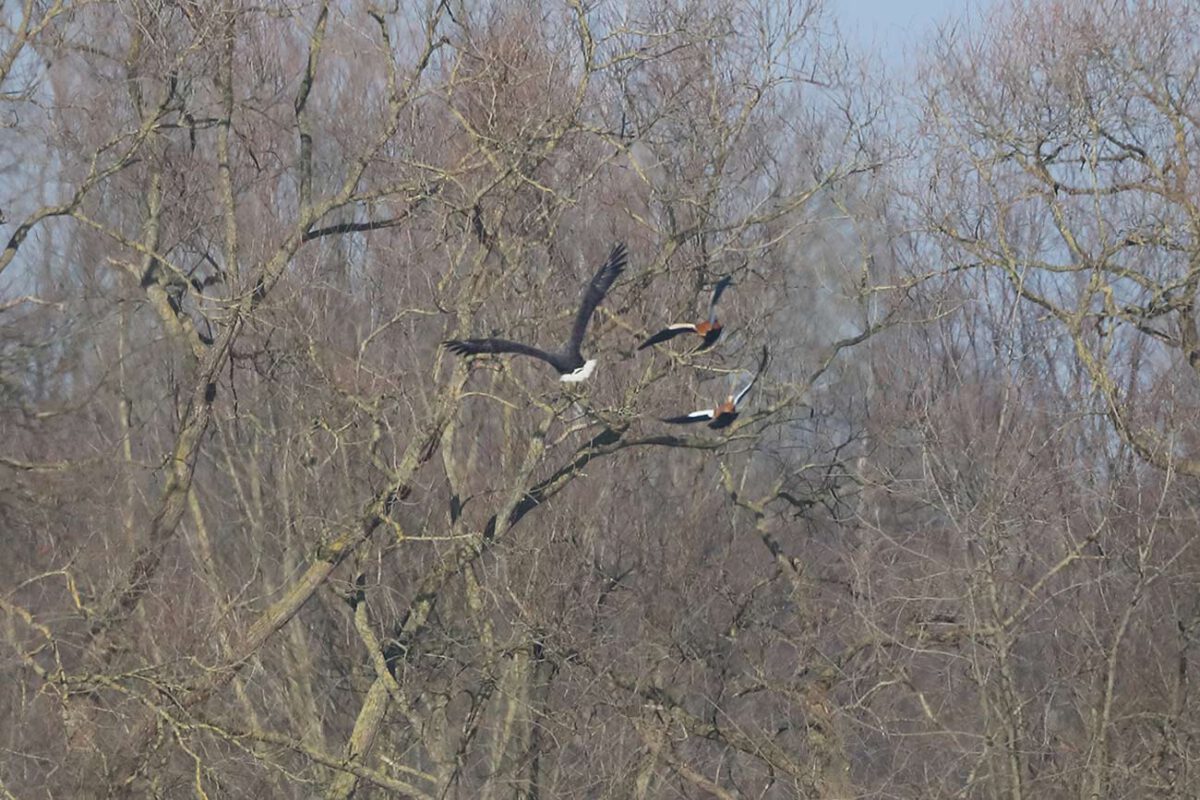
{"x":724,"y":414}
{"x":569,"y":362}
{"x":710,"y":329}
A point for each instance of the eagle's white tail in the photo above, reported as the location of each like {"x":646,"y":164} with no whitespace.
{"x":580,"y":374}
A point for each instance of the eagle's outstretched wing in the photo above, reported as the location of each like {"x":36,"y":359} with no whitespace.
{"x":601,"y":282}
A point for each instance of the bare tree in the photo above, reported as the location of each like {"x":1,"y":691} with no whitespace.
{"x":274,"y":541}
{"x":1023,"y":589}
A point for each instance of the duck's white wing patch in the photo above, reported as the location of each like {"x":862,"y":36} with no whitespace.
{"x":695,"y":416}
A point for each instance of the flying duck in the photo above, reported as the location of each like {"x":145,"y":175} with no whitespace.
{"x":723,"y":415}
{"x":710,"y":329}
{"x":569,"y":362}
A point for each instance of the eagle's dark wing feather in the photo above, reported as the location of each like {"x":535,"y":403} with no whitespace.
{"x":470,"y":347}
{"x":599,"y":286}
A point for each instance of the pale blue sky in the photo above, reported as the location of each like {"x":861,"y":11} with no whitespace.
{"x":896,"y":27}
